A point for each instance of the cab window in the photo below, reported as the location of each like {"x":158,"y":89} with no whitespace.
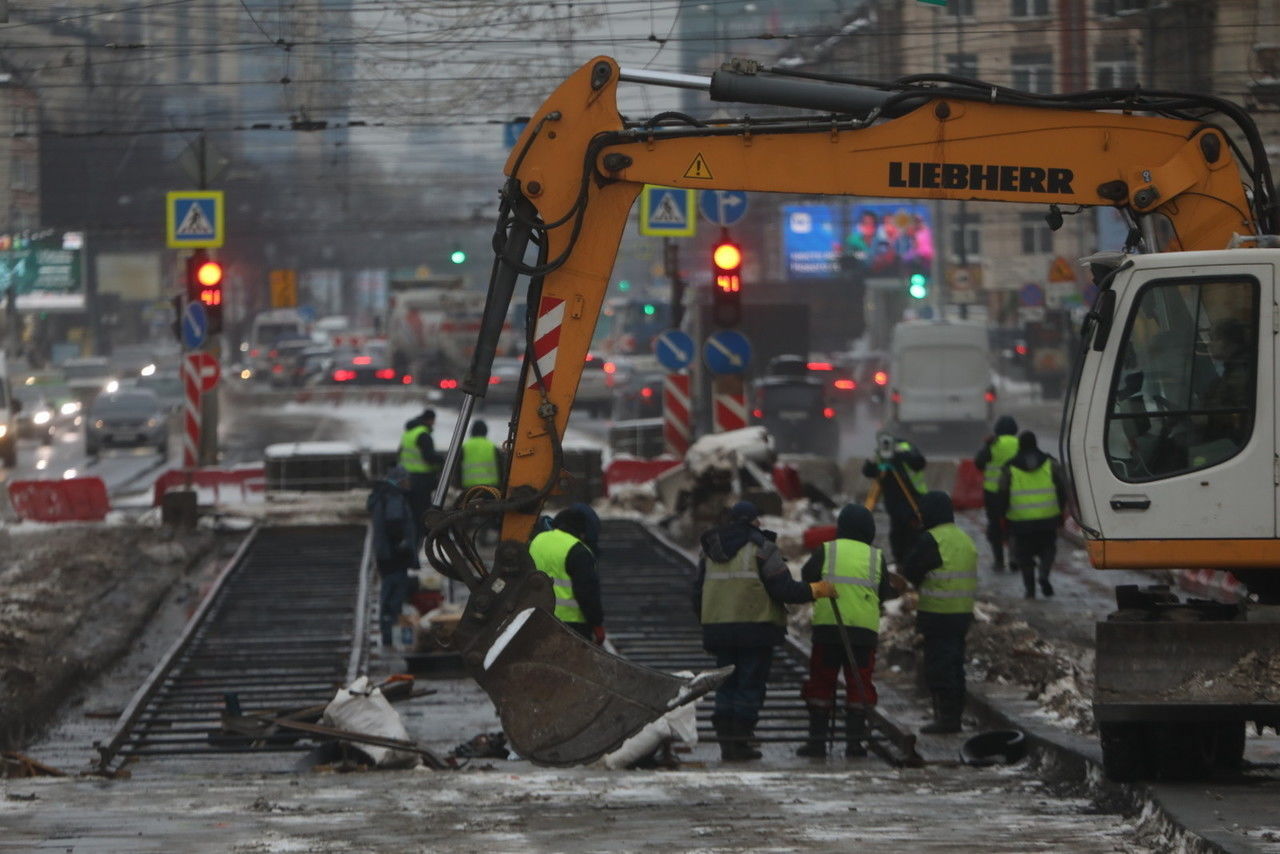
{"x":1183,"y":394}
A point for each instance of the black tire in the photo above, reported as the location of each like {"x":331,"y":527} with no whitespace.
{"x":1123,"y":751}
{"x":91,"y":449}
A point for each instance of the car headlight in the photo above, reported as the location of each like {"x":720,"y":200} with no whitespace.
{"x":99,"y":424}
{"x":71,"y":407}
{"x":44,"y":416}
{"x":112,"y":386}
{"x":4,"y":431}
{"x":151,"y":422}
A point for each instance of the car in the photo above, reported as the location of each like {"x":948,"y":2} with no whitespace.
{"x":281,"y":358}
{"x":360,"y":370}
{"x":869,"y":370}
{"x":594,"y":396}
{"x":797,"y":412}
{"x":127,"y":417}
{"x":167,"y":386}
{"x":87,"y":377}
{"x":49,"y":406}
{"x":638,"y":396}
{"x":309,"y":364}
{"x":504,"y":381}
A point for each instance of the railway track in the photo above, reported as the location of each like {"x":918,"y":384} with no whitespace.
{"x":646,"y":587}
{"x":285,"y":624}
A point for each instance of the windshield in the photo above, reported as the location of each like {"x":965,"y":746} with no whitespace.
{"x":126,"y":403}
{"x":269,"y":333}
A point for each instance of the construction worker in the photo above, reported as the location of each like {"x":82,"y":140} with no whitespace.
{"x":395,"y":545}
{"x":1031,"y":495}
{"x":739,"y":592}
{"x":481,"y":461}
{"x":562,"y":554}
{"x":899,"y":469}
{"x":857,"y":570}
{"x":943,"y":566}
{"x":999,"y":448}
{"x":418,"y":457}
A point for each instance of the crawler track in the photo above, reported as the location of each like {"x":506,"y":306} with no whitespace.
{"x":646,"y":586}
{"x":286,"y":622}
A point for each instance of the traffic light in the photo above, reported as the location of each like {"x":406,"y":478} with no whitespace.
{"x":204,"y":285}
{"x":624,"y":285}
{"x":919,"y":287}
{"x":726,"y":282}
{"x":458,"y":256}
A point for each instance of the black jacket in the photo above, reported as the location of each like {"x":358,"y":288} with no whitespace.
{"x":896,"y":502}
{"x":582,"y":522}
{"x":851,"y":525}
{"x":721,"y":544}
{"x":924,"y":557}
{"x":1030,"y":460}
{"x":395,"y":531}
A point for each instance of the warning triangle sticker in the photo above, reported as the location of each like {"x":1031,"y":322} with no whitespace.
{"x":698,"y":169}
{"x":195,"y":222}
{"x":667,"y":211}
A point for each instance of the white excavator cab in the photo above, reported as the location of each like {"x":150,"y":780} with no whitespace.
{"x":1172,"y":436}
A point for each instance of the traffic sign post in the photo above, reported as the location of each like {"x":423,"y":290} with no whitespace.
{"x":674,"y":349}
{"x":195,"y":325}
{"x":667,"y":212}
{"x":200,"y":373}
{"x":677,"y":421}
{"x":726,"y":352}
{"x":729,"y":403}
{"x":194,"y":219}
{"x":722,"y":207}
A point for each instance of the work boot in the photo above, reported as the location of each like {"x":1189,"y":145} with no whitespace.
{"x":816,"y":746}
{"x":947,"y":718}
{"x":744,"y":731}
{"x":724,"y":732}
{"x":855,"y":733}
{"x":1045,"y":587}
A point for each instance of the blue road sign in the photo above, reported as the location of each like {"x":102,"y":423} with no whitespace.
{"x":195,"y":325}
{"x":674,"y":349}
{"x":727,"y":352}
{"x":667,"y":212}
{"x":194,"y":219}
{"x":722,"y":207}
{"x":1031,"y":294}
{"x":307,"y":313}
{"x":511,"y":132}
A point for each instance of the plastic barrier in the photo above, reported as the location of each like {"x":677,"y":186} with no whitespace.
{"x":244,"y":481}
{"x":787,"y":481}
{"x":966,"y":494}
{"x":1212,"y":584}
{"x":817,"y":535}
{"x":635,"y":471}
{"x":78,"y":499}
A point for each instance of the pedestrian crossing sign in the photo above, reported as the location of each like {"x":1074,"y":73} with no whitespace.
{"x":667,"y":212}
{"x":194,"y":219}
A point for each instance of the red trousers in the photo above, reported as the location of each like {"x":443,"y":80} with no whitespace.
{"x":825,"y":663}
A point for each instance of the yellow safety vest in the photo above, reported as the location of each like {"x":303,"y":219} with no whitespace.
{"x":950,"y":588}
{"x":410,"y":456}
{"x":1003,"y":449}
{"x":854,"y":568}
{"x":916,"y":477}
{"x":1031,"y":494}
{"x":732,"y":592}
{"x":549,"y":551}
{"x":479,"y":462}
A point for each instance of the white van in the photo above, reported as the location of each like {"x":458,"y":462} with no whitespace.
{"x":268,"y":328}
{"x":940,"y":377}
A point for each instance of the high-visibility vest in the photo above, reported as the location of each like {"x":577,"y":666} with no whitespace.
{"x":854,"y":568}
{"x":949,"y":589}
{"x":479,"y":462}
{"x":549,"y":551}
{"x":410,"y":455}
{"x":1003,"y":449}
{"x":732,"y":592}
{"x":1032,"y":494}
{"x":916,"y":477}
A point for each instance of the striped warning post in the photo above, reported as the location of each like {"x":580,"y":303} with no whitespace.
{"x":191,"y":412}
{"x":677,"y":431}
{"x":730,"y":410}
{"x":546,"y":340}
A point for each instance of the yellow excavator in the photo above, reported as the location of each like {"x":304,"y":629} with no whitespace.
{"x":1169,"y":431}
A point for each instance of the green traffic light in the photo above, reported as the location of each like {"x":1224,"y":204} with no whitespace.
{"x":649,"y":309}
{"x":919,"y":288}
{"x":458,"y":256}
{"x":624,"y":285}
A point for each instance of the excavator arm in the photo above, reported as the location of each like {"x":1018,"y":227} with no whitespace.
{"x":572,"y":179}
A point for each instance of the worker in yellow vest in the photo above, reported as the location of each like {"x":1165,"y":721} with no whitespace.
{"x":481,"y":462}
{"x":419,"y":458}
{"x":1032,"y":495}
{"x":857,"y":569}
{"x":562,"y":554}
{"x":999,"y":448}
{"x":898,"y":467}
{"x":944,"y":568}
{"x":739,"y":595}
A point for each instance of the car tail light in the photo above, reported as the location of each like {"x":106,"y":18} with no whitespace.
{"x":254,"y":352}
{"x":494,"y":380}
{"x":385,"y":374}
{"x":610,"y":367}
{"x":757,"y":413}
{"x":277,"y":369}
{"x":362,"y":360}
{"x":845,"y":385}
{"x":342,"y":375}
{"x":407,"y":379}
{"x":646,"y":392}
{"x":1021,"y":349}
{"x":448,"y":383}
{"x":895,"y":396}
{"x":271,"y":354}
{"x":990,"y":396}
{"x":828,"y":412}
{"x":820,"y":366}
{"x":881,"y":378}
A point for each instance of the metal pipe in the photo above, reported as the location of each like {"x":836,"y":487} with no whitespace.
{"x":455,"y":448}
{"x":664,"y":78}
{"x":793,"y":92}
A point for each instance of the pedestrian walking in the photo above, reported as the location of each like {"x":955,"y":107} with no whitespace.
{"x":998,"y":449}
{"x":1032,"y":494}
{"x":418,"y":457}
{"x":898,"y":468}
{"x":857,"y":569}
{"x":395,"y":545}
{"x":943,"y":566}
{"x":739,"y":593}
{"x":563,"y":555}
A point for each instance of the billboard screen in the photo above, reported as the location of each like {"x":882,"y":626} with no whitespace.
{"x":883,"y":239}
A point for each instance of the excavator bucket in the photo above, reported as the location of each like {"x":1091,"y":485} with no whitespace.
{"x":563,"y":700}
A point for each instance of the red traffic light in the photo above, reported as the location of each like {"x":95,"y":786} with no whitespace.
{"x":209,"y":273}
{"x":726,"y":259}
{"x":727,"y":256}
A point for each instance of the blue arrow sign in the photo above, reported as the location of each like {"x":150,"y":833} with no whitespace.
{"x":727,"y":352}
{"x":674,"y":349}
{"x":195,"y":325}
{"x":722,"y":207}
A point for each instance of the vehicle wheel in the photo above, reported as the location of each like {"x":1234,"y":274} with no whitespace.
{"x":11,"y":456}
{"x":1123,"y":751}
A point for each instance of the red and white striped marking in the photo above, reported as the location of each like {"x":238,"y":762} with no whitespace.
{"x":546,"y":339}
{"x":191,"y":384}
{"x":677,"y":430}
{"x":730,"y":411}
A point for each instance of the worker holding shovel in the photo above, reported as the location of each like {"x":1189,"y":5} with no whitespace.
{"x":845,"y":630}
